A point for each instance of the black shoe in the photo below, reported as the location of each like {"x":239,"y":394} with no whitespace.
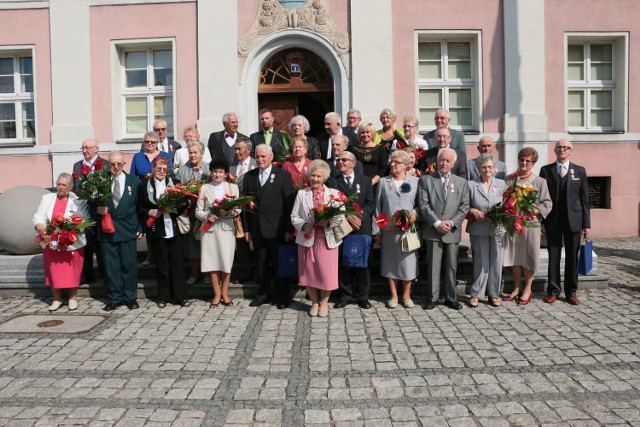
{"x":340,"y":304}
{"x":258,"y":301}
{"x":110,"y":306}
{"x":364,"y":304}
{"x":430,"y":306}
{"x":453,"y":304}
{"x":133,"y":305}
{"x":282,"y":305}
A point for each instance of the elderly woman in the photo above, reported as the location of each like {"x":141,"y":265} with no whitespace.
{"x":299,"y":126}
{"x":374,"y":158}
{"x":486,"y":241}
{"x":190,"y":136}
{"x":411,"y":127}
{"x":396,"y":192}
{"x":299,"y":163}
{"x":62,"y":268}
{"x":388,"y":135}
{"x":194,"y":168}
{"x":412,"y":167}
{"x":318,"y":243}
{"x":141,"y":162}
{"x":165,"y":241}
{"x":219,"y":240}
{"x":524,"y":253}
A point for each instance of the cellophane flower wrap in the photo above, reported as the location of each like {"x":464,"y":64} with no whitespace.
{"x":337,"y":205}
{"x":228,"y":203}
{"x":62,"y":232}
{"x":517,"y":211}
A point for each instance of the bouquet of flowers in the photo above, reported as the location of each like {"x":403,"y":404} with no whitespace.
{"x":431,"y":169}
{"x":227,"y":204}
{"x":401,"y":219}
{"x":285,"y":155}
{"x":517,"y":210}
{"x":337,"y":205}
{"x":95,"y":187}
{"x":62,"y":232}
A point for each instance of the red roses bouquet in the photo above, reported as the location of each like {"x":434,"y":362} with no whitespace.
{"x":401,"y":219}
{"x":517,"y":211}
{"x":228,"y":203}
{"x":62,"y":232}
{"x":337,"y":205}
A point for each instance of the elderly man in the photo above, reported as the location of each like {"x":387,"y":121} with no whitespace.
{"x":353,"y":122}
{"x":339,"y":144}
{"x":332,"y":127}
{"x":442,"y":119}
{"x":165,"y":144}
{"x":221,"y":143}
{"x":91,"y":162}
{"x":349,"y":181}
{"x":443,"y":203}
{"x":270,"y":224}
{"x":119,"y":248}
{"x":569,"y":219}
{"x":443,"y":140}
{"x":486,"y":146}
{"x":241,"y":271}
{"x":269,"y":135}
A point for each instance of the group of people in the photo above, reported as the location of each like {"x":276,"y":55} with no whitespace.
{"x":394,"y":190}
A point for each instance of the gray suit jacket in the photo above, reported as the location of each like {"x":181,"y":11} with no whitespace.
{"x":457,"y":140}
{"x":433,"y":207}
{"x":483,"y":201}
{"x":473,"y":173}
{"x":234,"y":169}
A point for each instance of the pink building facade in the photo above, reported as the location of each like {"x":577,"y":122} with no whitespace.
{"x":519,"y":71}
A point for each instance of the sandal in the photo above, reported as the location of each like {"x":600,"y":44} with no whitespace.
{"x":214,"y":304}
{"x":185,"y":303}
{"x":495,"y":302}
{"x":473,"y":302}
{"x":162,"y":304}
{"x":227,"y":304}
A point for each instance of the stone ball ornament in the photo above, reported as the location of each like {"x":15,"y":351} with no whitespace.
{"x":17,"y":207}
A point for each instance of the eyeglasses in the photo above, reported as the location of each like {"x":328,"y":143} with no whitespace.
{"x":87,"y":148}
{"x":353,"y":118}
{"x":408,"y":126}
{"x":160,"y":169}
{"x":562,"y":147}
{"x":345,"y":159}
{"x":395,"y":162}
{"x":117,"y":165}
{"x":525,"y":161}
{"x":160,"y":129}
{"x":151,"y":142}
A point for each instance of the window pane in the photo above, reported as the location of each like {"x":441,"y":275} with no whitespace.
{"x":576,"y":119}
{"x":461,"y":116}
{"x":6,"y":84}
{"x":459,"y":50}
{"x":459,"y":70}
{"x":7,"y":112}
{"x":430,"y":70}
{"x":163,"y":77}
{"x":601,"y":118}
{"x":601,"y":72}
{"x":7,"y":121}
{"x":430,"y":98}
{"x":576,"y":100}
{"x":163,"y":105}
{"x":26,"y":65}
{"x":430,"y":50}
{"x":136,"y":106}
{"x":162,"y":59}
{"x":575,"y":53}
{"x":26,"y":75}
{"x":6,"y":66}
{"x":576,"y":71}
{"x":426,"y":115}
{"x":135,"y":60}
{"x":136,"y":125}
{"x":137,"y":78}
{"x":459,"y":98}
{"x":28,"y":121}
{"x":601,"y":52}
{"x":26,"y":83}
{"x":601,"y":99}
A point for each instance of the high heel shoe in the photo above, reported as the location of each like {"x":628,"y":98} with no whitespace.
{"x":510,"y":297}
{"x":523,"y":301}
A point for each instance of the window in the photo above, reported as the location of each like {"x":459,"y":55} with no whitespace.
{"x":448,"y":77}
{"x":17,"y":111}
{"x":596,"y":83}
{"x":147,"y":83}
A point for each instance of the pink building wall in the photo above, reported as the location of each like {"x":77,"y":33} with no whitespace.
{"x":177,"y":21}
{"x":12,"y":33}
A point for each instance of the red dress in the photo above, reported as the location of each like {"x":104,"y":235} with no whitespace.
{"x":318,"y":265}
{"x":62,"y":269}
{"x":297,"y":176}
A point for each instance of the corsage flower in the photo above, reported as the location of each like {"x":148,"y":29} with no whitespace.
{"x":405,"y":187}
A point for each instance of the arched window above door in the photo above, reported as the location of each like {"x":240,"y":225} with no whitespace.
{"x":295,"y":70}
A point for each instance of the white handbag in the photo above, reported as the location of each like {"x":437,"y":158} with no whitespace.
{"x":410,"y":240}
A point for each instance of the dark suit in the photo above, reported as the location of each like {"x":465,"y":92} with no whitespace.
{"x":119,"y":248}
{"x":272,"y":218}
{"x":167,"y":252}
{"x":457,"y":140}
{"x":358,"y":169}
{"x":241,"y":270}
{"x":277,"y":143}
{"x":346,"y":275}
{"x":173,"y":146}
{"x":352,"y":135}
{"x":219,"y":148}
{"x":325,"y":143}
{"x":431,"y":156}
{"x":569,"y":215}
{"x":433,"y":206}
{"x":92,"y":246}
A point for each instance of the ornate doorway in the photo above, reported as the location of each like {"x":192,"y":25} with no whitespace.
{"x":296,"y":81}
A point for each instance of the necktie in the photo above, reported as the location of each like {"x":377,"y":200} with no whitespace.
{"x":348,"y":178}
{"x":563,"y":171}
{"x":446,"y":186}
{"x":267,"y":137}
{"x":241,"y":170}
{"x":263,"y":177}
{"x":116,"y":192}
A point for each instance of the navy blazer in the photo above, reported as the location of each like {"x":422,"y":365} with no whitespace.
{"x":578,"y":213}
{"x":125,"y":216}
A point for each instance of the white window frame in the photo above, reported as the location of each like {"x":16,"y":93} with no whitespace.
{"x":18,"y":97}
{"x":475,"y":83}
{"x":619,"y":85}
{"x":120,"y":92}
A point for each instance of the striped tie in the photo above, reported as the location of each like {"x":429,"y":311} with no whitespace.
{"x":116,"y":192}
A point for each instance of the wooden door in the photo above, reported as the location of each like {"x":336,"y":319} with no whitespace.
{"x":283,"y":105}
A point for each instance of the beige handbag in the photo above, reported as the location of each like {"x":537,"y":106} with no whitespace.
{"x":184,"y":225}
{"x":410,"y":240}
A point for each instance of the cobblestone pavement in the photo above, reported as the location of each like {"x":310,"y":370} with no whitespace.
{"x":541,"y":364}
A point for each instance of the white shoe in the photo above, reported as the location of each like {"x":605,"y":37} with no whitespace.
{"x":392,"y":303}
{"x":73,"y":304}
{"x":146,"y":262}
{"x":207,"y":280}
{"x":408,"y":303}
{"x":55,"y":305}
{"x":191,"y":280}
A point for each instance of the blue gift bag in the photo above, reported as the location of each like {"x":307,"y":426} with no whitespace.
{"x":355,"y":250}
{"x":585,"y":258}
{"x":288,"y":261}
